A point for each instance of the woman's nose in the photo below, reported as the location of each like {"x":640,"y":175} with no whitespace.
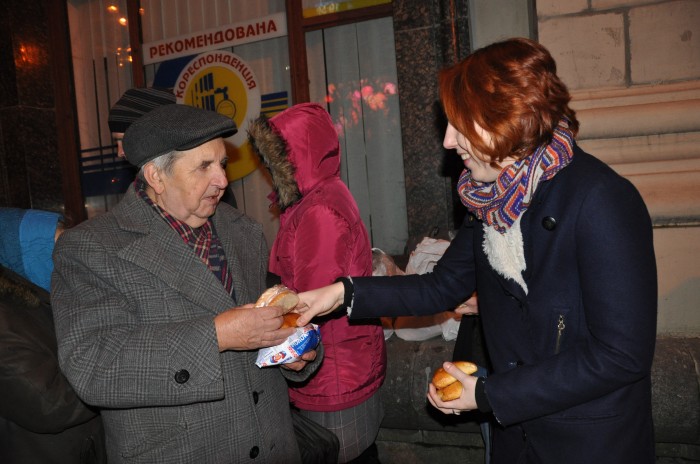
{"x":450,"y":139}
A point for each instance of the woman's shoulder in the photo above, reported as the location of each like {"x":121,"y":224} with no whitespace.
{"x":589,"y":182}
{"x":587,"y":171}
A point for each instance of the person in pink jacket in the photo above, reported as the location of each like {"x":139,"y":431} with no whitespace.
{"x":321,"y":238}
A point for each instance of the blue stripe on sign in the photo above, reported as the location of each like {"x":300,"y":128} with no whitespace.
{"x":273,"y":103}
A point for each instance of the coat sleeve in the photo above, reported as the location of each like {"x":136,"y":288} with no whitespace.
{"x":618,"y":297}
{"x":452,"y":281}
{"x":35,"y":394}
{"x":323,"y":247}
{"x":119,"y":353}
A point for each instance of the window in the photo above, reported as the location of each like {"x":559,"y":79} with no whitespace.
{"x":352,"y":69}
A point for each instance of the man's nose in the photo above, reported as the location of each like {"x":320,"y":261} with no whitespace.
{"x":220,"y":179}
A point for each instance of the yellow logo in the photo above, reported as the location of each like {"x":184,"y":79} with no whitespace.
{"x":221,"y":81}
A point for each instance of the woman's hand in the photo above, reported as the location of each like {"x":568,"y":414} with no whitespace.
{"x":319,"y":302}
{"x":466,"y":401}
{"x":469,"y":307}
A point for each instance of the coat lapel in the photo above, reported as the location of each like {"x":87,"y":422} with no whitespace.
{"x":246,"y":252}
{"x":184,"y":272}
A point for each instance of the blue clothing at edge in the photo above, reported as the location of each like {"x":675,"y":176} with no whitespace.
{"x":26,"y":243}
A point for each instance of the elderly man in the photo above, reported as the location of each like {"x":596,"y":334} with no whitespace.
{"x":151,"y":302}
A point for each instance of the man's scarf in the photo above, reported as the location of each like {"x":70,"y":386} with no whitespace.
{"x":203,"y":240}
{"x":500,"y":203}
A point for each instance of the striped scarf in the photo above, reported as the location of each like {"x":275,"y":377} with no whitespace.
{"x":500,"y":203}
{"x":203,"y":241}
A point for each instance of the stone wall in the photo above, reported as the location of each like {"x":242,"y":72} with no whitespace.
{"x":429,"y":35}
{"x":634,"y":70}
{"x":29,"y":166}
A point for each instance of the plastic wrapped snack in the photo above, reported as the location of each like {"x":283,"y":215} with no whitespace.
{"x":302,"y":340}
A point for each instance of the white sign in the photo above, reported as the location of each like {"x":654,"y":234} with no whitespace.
{"x":230,"y":35}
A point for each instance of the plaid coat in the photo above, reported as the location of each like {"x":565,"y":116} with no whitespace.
{"x":134,"y":311}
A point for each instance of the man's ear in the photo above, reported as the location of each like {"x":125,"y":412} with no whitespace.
{"x":154,"y":178}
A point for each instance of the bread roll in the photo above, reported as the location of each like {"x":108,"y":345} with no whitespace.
{"x":450,"y":392}
{"x":278,"y":295}
{"x":448,"y":388}
{"x":290,"y":320}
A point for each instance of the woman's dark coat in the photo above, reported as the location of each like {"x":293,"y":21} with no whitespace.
{"x":579,"y":392}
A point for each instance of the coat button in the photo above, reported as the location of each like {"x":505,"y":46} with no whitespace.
{"x":254,"y":451}
{"x":182,"y":376}
{"x":255,"y":397}
{"x":549,"y":223}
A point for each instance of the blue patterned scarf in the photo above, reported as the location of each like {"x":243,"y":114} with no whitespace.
{"x":500,"y":203}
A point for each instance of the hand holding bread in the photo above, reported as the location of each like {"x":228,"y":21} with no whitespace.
{"x":280,"y":295}
{"x":256,"y":326}
{"x":448,"y":387}
{"x":298,"y":347}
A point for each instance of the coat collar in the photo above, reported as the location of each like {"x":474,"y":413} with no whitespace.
{"x":182,"y":271}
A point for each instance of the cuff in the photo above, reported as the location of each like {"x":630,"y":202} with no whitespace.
{"x":348,"y":294}
{"x":482,"y":401}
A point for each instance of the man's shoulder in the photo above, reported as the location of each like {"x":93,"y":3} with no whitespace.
{"x":229,"y":216}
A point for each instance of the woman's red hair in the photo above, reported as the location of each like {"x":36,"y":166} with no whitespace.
{"x":510,"y":89}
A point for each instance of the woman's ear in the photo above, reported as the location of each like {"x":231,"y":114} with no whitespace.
{"x":154,"y":178}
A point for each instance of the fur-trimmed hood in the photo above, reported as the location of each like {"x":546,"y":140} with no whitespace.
{"x":300,"y":148}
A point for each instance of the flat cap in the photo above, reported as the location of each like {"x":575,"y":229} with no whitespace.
{"x":173,"y":127}
{"x":133,"y":104}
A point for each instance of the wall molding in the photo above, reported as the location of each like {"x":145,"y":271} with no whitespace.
{"x":651,"y":135}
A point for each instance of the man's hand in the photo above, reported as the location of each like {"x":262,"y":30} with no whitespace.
{"x":250,"y":328}
{"x":306,"y":358}
{"x":319,"y":302}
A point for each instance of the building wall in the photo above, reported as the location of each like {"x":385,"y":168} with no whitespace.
{"x":29,"y":168}
{"x":633,"y":68}
{"x":634,"y":71}
{"x":428,"y":35}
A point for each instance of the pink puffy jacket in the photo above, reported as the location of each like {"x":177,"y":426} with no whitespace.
{"x":321,"y":238}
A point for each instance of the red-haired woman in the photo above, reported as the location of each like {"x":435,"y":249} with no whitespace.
{"x":559,"y":249}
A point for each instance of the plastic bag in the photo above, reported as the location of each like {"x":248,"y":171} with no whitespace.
{"x":422,"y":260}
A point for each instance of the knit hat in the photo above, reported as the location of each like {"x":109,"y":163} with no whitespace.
{"x":173,"y":127}
{"x":134,"y":104}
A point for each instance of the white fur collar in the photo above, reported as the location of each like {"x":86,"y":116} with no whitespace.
{"x":506,"y":253}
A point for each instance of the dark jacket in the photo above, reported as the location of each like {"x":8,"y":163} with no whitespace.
{"x":321,"y":237}
{"x":575,"y":392}
{"x":42,"y":420}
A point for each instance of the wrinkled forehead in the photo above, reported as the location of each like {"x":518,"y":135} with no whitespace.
{"x":211,"y":151}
